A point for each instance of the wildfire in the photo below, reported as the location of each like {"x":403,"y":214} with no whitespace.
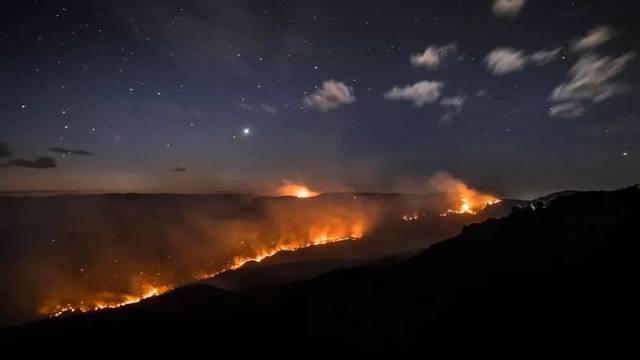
{"x":332,"y":231}
{"x":466,"y":206}
{"x":298,"y":190}
{"x":321,"y":238}
{"x":104,"y":301}
{"x":412,"y":217}
{"x":463,"y":199}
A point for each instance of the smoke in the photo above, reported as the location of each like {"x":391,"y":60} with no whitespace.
{"x":461,"y":197}
{"x":91,"y":251}
{"x":96,"y":250}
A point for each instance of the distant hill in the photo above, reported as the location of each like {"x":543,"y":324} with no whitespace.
{"x":550,"y":281}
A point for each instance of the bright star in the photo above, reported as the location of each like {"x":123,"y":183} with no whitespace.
{"x":246,"y":131}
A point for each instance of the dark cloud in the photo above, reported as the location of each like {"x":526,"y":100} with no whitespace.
{"x":178,"y":169}
{"x":43,"y":162}
{"x":61,"y":150}
{"x":4,"y":150}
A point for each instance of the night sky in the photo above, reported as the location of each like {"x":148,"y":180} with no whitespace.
{"x":516,"y":97}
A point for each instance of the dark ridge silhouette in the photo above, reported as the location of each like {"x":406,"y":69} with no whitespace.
{"x":4,"y":150}
{"x":43,"y":162}
{"x":552,"y":280}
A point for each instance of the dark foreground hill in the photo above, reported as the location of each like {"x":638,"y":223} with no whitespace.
{"x":555,"y":280}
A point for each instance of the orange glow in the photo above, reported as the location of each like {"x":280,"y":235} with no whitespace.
{"x":463,"y":199}
{"x":317,"y":236}
{"x":467,"y":206}
{"x":298,"y":190}
{"x":290,"y":226}
{"x":103,"y":301}
{"x":412,"y":217}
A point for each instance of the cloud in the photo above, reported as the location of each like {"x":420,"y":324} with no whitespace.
{"x":453,"y":105}
{"x":482,"y":93}
{"x":594,"y":38}
{"x":269,"y":109}
{"x":543,"y":57}
{"x":567,"y":110}
{"x":434,"y":57}
{"x":330,"y":96}
{"x":591,"y":81}
{"x":179,"y":170}
{"x":43,"y":162}
{"x":266,"y":108}
{"x":420,"y":93}
{"x":505,"y":60}
{"x":61,"y":150}
{"x":4,"y":150}
{"x":507,"y":8}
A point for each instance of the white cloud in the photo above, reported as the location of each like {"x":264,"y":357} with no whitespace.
{"x":330,"y":96}
{"x":456,"y":102}
{"x":591,"y":79}
{"x":508,"y":8}
{"x":505,"y":60}
{"x":482,"y":93}
{"x":567,"y":110}
{"x":543,"y":57}
{"x":453,"y":105}
{"x":269,"y":109}
{"x":433,"y":57}
{"x":420,"y":93}
{"x":593,"y":38}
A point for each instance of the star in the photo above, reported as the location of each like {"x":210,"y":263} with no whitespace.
{"x":246,"y":131}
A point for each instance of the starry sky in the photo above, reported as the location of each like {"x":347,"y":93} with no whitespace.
{"x":518,"y":97}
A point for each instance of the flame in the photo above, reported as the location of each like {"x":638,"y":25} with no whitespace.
{"x":464,"y":199}
{"x":298,"y":190}
{"x":466,"y":206}
{"x":104,"y":301}
{"x":412,"y":217}
{"x":289,"y":228}
{"x":320,"y":236}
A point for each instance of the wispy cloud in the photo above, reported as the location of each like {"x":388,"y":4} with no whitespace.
{"x":266,"y":108}
{"x":434,"y":57}
{"x":61,"y":150}
{"x":505,"y":60}
{"x":420,"y":93}
{"x":43,"y":162}
{"x":331,"y":95}
{"x":567,"y":110}
{"x":591,"y":81}
{"x":507,"y":8}
{"x":453,"y":106}
{"x":594,"y":38}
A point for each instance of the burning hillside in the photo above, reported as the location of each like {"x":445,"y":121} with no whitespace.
{"x":98,"y":252}
{"x":462,"y":198}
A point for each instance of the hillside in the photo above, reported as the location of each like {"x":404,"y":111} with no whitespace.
{"x":533,"y":280}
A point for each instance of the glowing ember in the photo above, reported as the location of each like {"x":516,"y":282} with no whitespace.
{"x":412,"y":217}
{"x":104,"y":301}
{"x":298,"y":190}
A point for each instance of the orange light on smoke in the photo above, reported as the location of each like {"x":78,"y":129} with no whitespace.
{"x":298,"y":190}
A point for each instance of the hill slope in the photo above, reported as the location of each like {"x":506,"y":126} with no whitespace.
{"x":560,"y":275}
